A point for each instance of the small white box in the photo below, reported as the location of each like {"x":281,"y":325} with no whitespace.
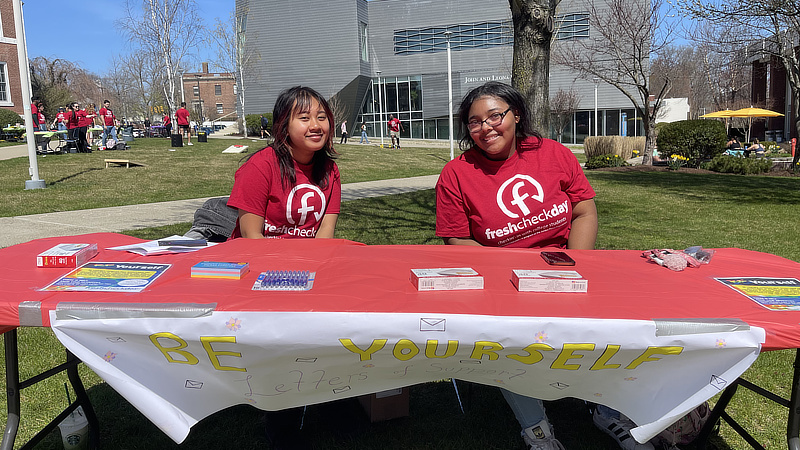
{"x":551,"y":280}
{"x":446,"y":279}
{"x":66,"y":255}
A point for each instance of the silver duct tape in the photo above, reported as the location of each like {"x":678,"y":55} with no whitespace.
{"x":30,"y":314}
{"x":677,"y":327}
{"x":92,"y":311}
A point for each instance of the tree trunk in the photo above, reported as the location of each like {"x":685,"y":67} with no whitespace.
{"x":533,"y":29}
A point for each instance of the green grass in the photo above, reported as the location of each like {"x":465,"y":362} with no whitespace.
{"x":637,"y":211}
{"x":81,"y":181}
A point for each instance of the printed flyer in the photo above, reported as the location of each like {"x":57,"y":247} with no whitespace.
{"x":776,"y":294}
{"x":109,"y":277}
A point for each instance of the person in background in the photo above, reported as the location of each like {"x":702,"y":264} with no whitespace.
{"x":343,"y":140}
{"x":364,"y":134}
{"x":474,"y":198}
{"x":395,"y":126}
{"x":733,"y":144}
{"x":60,"y":121}
{"x":264,"y":126}
{"x":41,"y":122}
{"x":298,"y":168}
{"x":167,"y":124}
{"x":757,"y":147}
{"x":35,"y":112}
{"x":109,"y":124}
{"x":76,"y":116}
{"x":182,"y":116}
{"x":88,"y":121}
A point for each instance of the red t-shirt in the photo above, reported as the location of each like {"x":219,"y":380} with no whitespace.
{"x":41,"y":118}
{"x":288,"y":211}
{"x":182,"y":114}
{"x":61,"y":117}
{"x":525,"y":201}
{"x":83,"y":120}
{"x":167,"y":120}
{"x":34,"y":110}
{"x":394,"y":124}
{"x":107,"y":115}
{"x":74,"y":119}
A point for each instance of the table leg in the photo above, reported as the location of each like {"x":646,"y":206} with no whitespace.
{"x":12,"y":390}
{"x":793,"y":424}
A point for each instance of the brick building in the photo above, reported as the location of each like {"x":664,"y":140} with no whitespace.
{"x":210,"y":96}
{"x":10,"y":91}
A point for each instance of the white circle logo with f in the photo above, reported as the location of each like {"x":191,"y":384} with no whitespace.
{"x":522,"y":187}
{"x":306,"y":192}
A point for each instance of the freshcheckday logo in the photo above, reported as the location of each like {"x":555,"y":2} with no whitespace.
{"x":299,"y":205}
{"x":522,"y":196}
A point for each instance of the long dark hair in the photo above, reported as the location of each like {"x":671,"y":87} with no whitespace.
{"x":504,"y":92}
{"x":299,"y":98}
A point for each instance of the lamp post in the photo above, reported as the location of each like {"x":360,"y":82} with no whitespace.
{"x":596,"y":80}
{"x":199,"y":100}
{"x":25,"y":84}
{"x":447,"y":35}
{"x":380,"y":105}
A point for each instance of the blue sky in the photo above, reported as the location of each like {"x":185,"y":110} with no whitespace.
{"x":83,"y":31}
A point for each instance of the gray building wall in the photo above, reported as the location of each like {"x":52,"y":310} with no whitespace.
{"x":321,"y":49}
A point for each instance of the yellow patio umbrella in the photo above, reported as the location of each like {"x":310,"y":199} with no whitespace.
{"x":754,"y":112}
{"x":718,"y":114}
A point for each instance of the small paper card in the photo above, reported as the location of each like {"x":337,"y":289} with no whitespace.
{"x":549,"y":281}
{"x":446,"y":279}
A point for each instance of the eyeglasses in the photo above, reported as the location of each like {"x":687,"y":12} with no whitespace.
{"x":493,"y":120}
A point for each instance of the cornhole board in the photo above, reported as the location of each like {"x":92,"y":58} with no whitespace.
{"x":122,"y":162}
{"x":236,"y":149}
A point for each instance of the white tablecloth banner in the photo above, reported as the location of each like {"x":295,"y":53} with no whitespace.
{"x":177,"y":370}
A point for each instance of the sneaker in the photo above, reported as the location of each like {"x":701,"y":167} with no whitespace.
{"x":189,"y":143}
{"x":619,"y":429}
{"x":540,"y":437}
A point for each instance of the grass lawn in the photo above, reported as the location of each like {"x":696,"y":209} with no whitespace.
{"x":81,"y":181}
{"x":637,"y":211}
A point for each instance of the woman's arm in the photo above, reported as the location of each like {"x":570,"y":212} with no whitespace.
{"x":583,"y":233}
{"x":327,"y":226}
{"x":251,"y":225}
{"x":460,"y":241}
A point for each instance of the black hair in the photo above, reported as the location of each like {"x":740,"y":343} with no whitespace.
{"x":299,"y":98}
{"x":505,"y":93}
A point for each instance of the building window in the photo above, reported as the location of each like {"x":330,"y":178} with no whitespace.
{"x":464,"y":36}
{"x":196,"y":90}
{"x":217,"y":89}
{"x":220,"y":110}
{"x":362,"y":33}
{"x":4,"y":97}
{"x":572,"y":26}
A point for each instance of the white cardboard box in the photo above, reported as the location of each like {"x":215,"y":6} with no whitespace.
{"x":549,"y":280}
{"x":446,"y":279}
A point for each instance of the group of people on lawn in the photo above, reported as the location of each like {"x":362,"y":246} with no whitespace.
{"x":498,"y":144}
{"x":77,"y":121}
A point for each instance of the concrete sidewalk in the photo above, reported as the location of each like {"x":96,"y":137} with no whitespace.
{"x":21,"y":229}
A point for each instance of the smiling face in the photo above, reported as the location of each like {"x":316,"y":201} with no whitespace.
{"x":498,"y":142}
{"x":309,"y":130}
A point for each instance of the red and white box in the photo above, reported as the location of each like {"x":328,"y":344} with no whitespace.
{"x":446,"y":279}
{"x":66,"y":255}
{"x":549,"y":280}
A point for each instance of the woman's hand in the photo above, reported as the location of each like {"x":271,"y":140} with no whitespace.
{"x":583,"y":232}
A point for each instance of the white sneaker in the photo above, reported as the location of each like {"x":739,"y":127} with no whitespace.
{"x":540,"y":437}
{"x":619,"y":429}
{"x":189,"y":143}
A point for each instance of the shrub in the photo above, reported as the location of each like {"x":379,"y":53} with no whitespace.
{"x":612,"y":145}
{"x":254,"y":123}
{"x":738,"y":165}
{"x":9,"y":117}
{"x":600,"y":161}
{"x":697,"y":140}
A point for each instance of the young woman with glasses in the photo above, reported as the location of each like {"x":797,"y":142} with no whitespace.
{"x":513,"y":188}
